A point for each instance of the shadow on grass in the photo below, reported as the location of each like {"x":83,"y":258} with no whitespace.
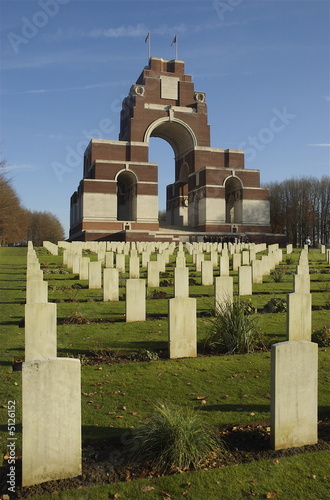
{"x":115,"y":435}
{"x":120,"y":350}
{"x":4,"y":428}
{"x":235,"y":408}
{"x":13,"y":322}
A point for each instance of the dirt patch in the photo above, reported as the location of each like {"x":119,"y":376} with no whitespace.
{"x":104,"y":464}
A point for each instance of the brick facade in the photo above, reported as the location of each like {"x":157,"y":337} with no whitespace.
{"x":212,"y":190}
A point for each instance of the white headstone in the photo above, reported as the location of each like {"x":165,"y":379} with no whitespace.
{"x":182,"y":331}
{"x":293,"y":394}
{"x":51,"y":417}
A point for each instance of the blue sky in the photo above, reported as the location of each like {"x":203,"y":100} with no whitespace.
{"x":66,"y":65}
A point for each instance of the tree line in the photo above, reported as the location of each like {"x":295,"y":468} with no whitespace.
{"x":19,"y":225}
{"x":300,"y":208}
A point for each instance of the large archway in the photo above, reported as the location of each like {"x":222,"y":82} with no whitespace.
{"x":182,"y":139}
{"x":126,"y":196}
{"x":233,"y":196}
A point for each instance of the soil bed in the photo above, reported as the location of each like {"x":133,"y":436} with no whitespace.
{"x":103,"y":463}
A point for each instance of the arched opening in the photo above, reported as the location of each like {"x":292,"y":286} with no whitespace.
{"x":233,"y":194}
{"x":182,"y":139}
{"x":126,"y":196}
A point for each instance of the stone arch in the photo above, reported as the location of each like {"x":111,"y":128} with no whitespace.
{"x":126,"y":182}
{"x":175,"y":131}
{"x":233,"y":196}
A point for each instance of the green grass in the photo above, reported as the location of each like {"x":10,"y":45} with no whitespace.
{"x":234,"y":387}
{"x":291,"y":478}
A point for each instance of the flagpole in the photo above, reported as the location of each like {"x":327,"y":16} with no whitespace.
{"x":149,"y":44}
{"x":148,"y":40}
{"x":176,"y":47}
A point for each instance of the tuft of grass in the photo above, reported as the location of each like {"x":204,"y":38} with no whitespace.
{"x":175,"y":438}
{"x":234,"y":331}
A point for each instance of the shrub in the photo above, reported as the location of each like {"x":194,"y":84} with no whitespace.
{"x":174,"y":438}
{"x":234,"y":331}
{"x":322,"y":337}
{"x":275,"y":305}
{"x":278,"y":274}
{"x":157,"y":294}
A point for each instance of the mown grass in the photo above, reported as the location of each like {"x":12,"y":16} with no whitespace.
{"x":116,"y":397}
{"x":303,"y":477}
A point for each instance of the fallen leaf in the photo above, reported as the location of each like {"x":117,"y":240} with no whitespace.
{"x":116,"y":495}
{"x":271,"y":494}
{"x":147,"y":488}
{"x":167,"y":495}
{"x":201,"y":397}
{"x":245,"y":396}
{"x":203,"y":402}
{"x":312,"y":476}
{"x":252,"y":414}
{"x":276,"y":462}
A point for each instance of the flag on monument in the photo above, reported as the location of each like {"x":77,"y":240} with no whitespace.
{"x":147,"y":37}
{"x":174,"y":41}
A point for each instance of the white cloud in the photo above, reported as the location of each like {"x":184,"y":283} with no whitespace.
{"x":130,"y":31}
{"x":15,"y":167}
{"x":66,"y":89}
{"x":321,"y":145}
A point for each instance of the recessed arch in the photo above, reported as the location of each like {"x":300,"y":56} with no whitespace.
{"x":233,"y":195}
{"x":126,"y":195}
{"x":176,"y":132}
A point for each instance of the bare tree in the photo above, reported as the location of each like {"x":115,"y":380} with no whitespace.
{"x":13,"y":217}
{"x":301,"y":208}
{"x":44,"y":226}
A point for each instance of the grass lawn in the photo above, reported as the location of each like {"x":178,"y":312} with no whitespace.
{"x":120,"y":396}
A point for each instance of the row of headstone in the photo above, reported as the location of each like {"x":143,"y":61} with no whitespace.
{"x":51,"y":247}
{"x":51,"y":391}
{"x":293,"y":399}
{"x":299,"y":303}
